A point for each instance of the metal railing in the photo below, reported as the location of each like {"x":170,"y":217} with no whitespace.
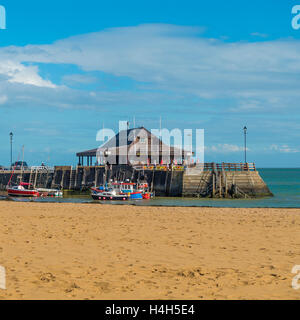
{"x":229,"y":166}
{"x":27,"y":169}
{"x":207,"y":166}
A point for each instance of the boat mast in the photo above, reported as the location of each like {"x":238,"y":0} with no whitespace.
{"x":12,"y":173}
{"x":22,"y":167}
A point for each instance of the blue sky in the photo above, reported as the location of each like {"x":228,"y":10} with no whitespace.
{"x":68,"y":66}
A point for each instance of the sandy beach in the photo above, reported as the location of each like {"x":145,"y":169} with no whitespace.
{"x":93,"y":251}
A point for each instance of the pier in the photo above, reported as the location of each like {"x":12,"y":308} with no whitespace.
{"x":218,"y":180}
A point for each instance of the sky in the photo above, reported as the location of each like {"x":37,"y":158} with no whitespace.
{"x":68,"y":67}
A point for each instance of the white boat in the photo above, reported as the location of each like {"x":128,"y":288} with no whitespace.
{"x":110,"y":194}
{"x":22,"y":190}
{"x":50,"y":192}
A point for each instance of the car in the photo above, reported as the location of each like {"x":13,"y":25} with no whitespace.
{"x":19,"y":165}
{"x":2,"y":168}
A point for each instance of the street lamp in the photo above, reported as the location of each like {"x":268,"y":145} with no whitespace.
{"x":245,"y":143}
{"x":11,"y":141}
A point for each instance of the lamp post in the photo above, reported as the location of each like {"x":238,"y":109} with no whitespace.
{"x":245,"y":143}
{"x":11,"y":141}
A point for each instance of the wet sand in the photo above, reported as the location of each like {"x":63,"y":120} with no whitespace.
{"x":93,"y":251}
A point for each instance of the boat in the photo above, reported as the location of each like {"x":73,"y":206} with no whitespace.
{"x":22,"y":190}
{"x":144,"y":188}
{"x":121,"y":191}
{"x":50,"y":192}
{"x":27,"y":189}
{"x":109,"y":194}
{"x":128,"y":188}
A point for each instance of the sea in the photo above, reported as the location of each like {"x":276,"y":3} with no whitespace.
{"x":283,"y":183}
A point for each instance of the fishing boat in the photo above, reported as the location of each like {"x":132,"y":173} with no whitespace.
{"x":137,"y":191}
{"x":144,"y":189}
{"x":128,"y":188}
{"x":121,"y":191}
{"x":50,"y":192}
{"x":109,"y":194}
{"x":22,"y":190}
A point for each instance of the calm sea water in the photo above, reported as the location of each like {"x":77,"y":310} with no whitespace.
{"x":284,"y":184}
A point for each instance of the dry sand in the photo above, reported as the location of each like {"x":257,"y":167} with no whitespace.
{"x":93,"y":251}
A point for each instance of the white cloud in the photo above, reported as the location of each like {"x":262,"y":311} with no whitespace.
{"x":3,"y":99}
{"x":172,"y":61}
{"x":16,"y":72}
{"x":43,"y":131}
{"x":224,"y":148}
{"x":283,"y":148}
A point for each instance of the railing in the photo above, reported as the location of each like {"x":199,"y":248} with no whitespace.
{"x":208,"y":166}
{"x":160,"y":167}
{"x":27,"y":169}
{"x":41,"y":168}
{"x":229,"y":166}
{"x":94,"y":166}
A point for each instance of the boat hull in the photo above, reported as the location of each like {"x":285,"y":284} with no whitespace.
{"x":22,"y":193}
{"x":147,"y":195}
{"x":136,"y":196}
{"x":109,"y":198}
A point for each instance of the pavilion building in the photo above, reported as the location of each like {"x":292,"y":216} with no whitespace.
{"x":136,"y":146}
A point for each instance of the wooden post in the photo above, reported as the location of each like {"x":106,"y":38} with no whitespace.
{"x":152,"y":181}
{"x":170,"y":186}
{"x":213,"y":186}
{"x":166,"y":182}
{"x":35,"y":178}
{"x":220,"y":185}
{"x":30,"y":177}
{"x":62,"y":180}
{"x":225,"y":184}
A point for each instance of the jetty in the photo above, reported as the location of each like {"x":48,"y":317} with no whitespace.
{"x":170,"y":171}
{"x":218,"y":180}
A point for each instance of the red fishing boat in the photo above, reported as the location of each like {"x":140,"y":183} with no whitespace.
{"x":22,"y":190}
